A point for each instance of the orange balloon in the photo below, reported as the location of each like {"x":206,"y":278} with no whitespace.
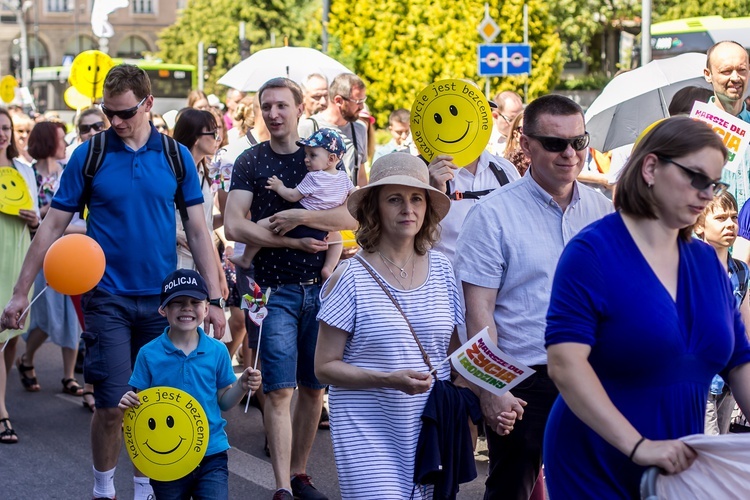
{"x":74,"y":264}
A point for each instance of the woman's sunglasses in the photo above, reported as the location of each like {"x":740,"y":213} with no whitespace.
{"x":698,"y":180}
{"x":85,"y":129}
{"x":558,"y":144}
{"x":125,"y":114}
{"x":215,"y":133}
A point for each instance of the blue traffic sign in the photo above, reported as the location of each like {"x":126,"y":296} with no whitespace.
{"x":502,"y":59}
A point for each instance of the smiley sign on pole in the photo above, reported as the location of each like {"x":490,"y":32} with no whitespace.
{"x":167,"y":434}
{"x":451,"y":117}
{"x":88,"y":71}
{"x":14,"y":193}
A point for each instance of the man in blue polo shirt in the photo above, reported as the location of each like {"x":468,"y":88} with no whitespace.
{"x":132,"y":217}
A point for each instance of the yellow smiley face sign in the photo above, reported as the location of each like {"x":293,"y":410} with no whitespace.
{"x":88,"y":71}
{"x":167,"y":435}
{"x":451,"y":117}
{"x":75,"y":99}
{"x":8,"y":86}
{"x":14,"y":193}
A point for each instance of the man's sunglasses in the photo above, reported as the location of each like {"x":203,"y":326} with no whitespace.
{"x":558,"y":144}
{"x":698,"y":180}
{"x":85,"y":129}
{"x":125,"y":114}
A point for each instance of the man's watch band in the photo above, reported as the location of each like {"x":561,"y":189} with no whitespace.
{"x":220,"y":302}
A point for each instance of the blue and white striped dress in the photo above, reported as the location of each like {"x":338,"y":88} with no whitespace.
{"x":375,"y":431}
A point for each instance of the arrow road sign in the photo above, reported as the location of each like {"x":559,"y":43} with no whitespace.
{"x":501,"y":59}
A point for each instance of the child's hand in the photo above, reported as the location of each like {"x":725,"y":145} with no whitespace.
{"x":251,"y":380}
{"x":274,"y":184}
{"x":129,"y":400}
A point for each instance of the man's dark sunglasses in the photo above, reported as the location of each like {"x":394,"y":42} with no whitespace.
{"x":698,"y":180}
{"x":84,"y":129}
{"x":125,"y":114}
{"x":558,"y":144}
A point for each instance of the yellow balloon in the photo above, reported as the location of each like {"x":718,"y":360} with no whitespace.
{"x":348,"y":239}
{"x":88,"y":71}
{"x":167,"y":435}
{"x":451,"y":117}
{"x":75,"y":99}
{"x":8,"y":86}
{"x":14,"y":192}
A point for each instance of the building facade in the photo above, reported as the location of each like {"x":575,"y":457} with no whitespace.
{"x":57,"y":30}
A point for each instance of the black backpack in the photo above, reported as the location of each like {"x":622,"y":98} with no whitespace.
{"x":95,"y":158}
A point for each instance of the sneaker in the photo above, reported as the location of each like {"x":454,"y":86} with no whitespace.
{"x":303,"y":488}
{"x":282,"y":494}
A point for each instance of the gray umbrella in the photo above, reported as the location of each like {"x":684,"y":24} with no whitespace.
{"x":634,"y":100}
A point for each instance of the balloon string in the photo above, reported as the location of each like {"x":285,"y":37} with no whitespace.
{"x":255,"y":365}
{"x":20,"y":318}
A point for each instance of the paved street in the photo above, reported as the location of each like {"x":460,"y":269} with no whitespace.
{"x":52,"y":458}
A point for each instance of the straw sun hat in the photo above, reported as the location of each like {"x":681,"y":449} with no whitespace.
{"x":401,"y":169}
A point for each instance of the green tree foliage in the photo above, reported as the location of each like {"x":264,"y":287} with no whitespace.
{"x":400,"y":47}
{"x":217,"y":22}
{"x":580,"y":22}
{"x":672,"y":9}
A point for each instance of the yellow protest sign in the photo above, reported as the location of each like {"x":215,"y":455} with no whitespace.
{"x":76,"y":100}
{"x":14,"y":192}
{"x":167,"y":435}
{"x":8,"y":86}
{"x":451,"y":117}
{"x":88,"y":71}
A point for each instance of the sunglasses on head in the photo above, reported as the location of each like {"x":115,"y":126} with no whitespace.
{"x":698,"y":180}
{"x":124,"y":114}
{"x":84,"y":129}
{"x":558,"y":144}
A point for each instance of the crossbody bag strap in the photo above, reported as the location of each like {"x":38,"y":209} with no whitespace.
{"x":425,"y":356}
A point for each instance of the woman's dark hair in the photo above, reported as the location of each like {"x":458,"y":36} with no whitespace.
{"x":683,"y":100}
{"x":11,"y":151}
{"x":671,"y":138}
{"x":43,"y":139}
{"x":190,"y":124}
{"x":368,"y":216}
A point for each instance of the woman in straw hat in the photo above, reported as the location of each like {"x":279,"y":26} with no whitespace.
{"x":379,"y":377}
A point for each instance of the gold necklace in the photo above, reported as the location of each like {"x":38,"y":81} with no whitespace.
{"x":402,"y":272}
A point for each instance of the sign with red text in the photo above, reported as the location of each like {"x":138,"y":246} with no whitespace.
{"x":732,"y":130}
{"x":481,"y":362}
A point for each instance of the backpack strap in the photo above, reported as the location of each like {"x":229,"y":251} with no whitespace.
{"x":355,"y":169}
{"x":315,"y":124}
{"x":500,"y":175}
{"x":94,"y":160}
{"x":174,"y":158}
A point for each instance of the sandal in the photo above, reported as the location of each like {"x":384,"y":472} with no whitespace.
{"x":70,"y":386}
{"x":29,"y":383}
{"x":90,"y":405}
{"x":8,"y":436}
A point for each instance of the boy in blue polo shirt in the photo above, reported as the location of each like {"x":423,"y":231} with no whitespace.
{"x":184,"y":357}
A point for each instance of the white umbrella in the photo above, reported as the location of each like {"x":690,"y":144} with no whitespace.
{"x":295,"y":63}
{"x":634,"y":100}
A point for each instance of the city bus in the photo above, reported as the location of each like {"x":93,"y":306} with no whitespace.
{"x":696,"y":34}
{"x":170,"y":84}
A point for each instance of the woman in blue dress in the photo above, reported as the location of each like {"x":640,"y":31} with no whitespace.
{"x":641,"y":318}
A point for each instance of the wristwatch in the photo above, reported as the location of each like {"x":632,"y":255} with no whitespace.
{"x":220,"y":302}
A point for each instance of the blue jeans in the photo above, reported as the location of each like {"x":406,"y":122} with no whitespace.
{"x":116,"y":328}
{"x":289,"y":336}
{"x":208,"y":481}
